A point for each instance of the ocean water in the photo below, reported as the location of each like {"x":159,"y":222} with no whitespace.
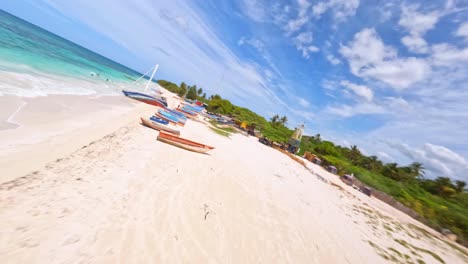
{"x":35,"y":62}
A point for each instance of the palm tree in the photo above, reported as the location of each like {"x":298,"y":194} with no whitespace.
{"x":354,"y":153}
{"x":460,"y":186}
{"x":274,"y":120}
{"x":391,"y":171}
{"x":283,"y":120}
{"x":417,"y":168}
{"x":371,"y":162}
{"x":200,"y":91}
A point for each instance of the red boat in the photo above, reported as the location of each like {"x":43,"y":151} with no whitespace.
{"x":183,"y":143}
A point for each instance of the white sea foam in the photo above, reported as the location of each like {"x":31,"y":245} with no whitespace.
{"x":12,"y":116}
{"x":41,"y":84}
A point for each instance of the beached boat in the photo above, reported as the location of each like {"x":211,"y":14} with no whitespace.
{"x":186,"y":113}
{"x":171,"y":121}
{"x":183,"y":143}
{"x":159,"y":120}
{"x":158,"y":127}
{"x":171,"y":117}
{"x":146,"y":98}
{"x":176,"y":113}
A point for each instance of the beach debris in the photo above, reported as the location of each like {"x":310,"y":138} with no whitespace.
{"x":206,"y":210}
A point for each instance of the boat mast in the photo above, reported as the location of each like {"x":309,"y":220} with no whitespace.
{"x":152,"y":75}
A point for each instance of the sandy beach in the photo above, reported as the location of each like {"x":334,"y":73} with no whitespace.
{"x":82,"y":181}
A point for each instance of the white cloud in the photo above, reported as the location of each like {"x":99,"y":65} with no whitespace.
{"x":303,"y":102}
{"x":462,"y":30}
{"x":263,"y":51}
{"x":384,"y":157}
{"x":255,"y":10}
{"x":333,"y":60}
{"x":303,"y":43}
{"x":417,"y":24}
{"x":319,"y":9}
{"x":306,"y":115}
{"x":362,"y":91}
{"x":368,"y":57}
{"x":415,"y":44}
{"x":438,"y":160}
{"x":341,"y":9}
{"x":448,"y":55}
{"x":293,"y":25}
{"x":386,"y":12}
{"x":397,"y":103}
{"x":304,"y":38}
{"x":357,"y":109}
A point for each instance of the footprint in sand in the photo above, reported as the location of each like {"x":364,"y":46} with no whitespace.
{"x":71,"y":240}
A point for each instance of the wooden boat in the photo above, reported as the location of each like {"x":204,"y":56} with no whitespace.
{"x":183,"y":143}
{"x":158,"y":127}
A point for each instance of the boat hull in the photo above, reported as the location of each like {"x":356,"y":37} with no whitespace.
{"x":158,"y":127}
{"x":145,"y":98}
{"x":183,"y":143}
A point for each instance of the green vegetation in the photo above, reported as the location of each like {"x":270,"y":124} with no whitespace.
{"x":396,"y":252}
{"x":220,"y":132}
{"x":226,"y":129}
{"x":420,"y":261}
{"x":443,"y":203}
{"x":408,"y":246}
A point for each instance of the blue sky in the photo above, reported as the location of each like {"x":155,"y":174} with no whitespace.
{"x":388,"y":76}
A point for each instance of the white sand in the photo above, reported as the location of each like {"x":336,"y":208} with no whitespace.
{"x":127,"y":198}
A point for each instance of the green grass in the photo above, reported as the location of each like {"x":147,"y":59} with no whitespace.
{"x":457,"y":248}
{"x":434,"y":255}
{"x":220,"y":132}
{"x":406,"y":245}
{"x":226,"y":129}
{"x":439,"y":212}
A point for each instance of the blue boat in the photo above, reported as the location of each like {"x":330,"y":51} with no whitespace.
{"x":171,"y":117}
{"x":192,"y":108}
{"x":189,"y":111}
{"x":176,"y":113}
{"x":159,"y":120}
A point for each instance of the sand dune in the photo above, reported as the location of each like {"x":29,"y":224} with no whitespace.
{"x":127,"y":198}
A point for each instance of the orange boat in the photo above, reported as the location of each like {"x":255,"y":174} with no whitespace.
{"x":159,"y":127}
{"x":183,"y":143}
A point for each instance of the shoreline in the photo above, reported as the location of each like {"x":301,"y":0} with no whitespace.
{"x":59,"y":123}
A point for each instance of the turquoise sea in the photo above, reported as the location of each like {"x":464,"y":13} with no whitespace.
{"x":36,"y":62}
